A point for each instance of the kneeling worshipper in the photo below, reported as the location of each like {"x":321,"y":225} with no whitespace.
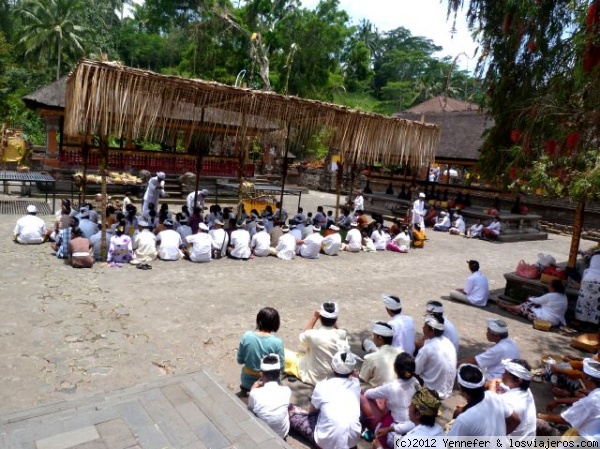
{"x":239,"y":243}
{"x":584,"y":414}
{"x":436,"y":360}
{"x":418,"y":236}
{"x":120,"y":249}
{"x":332,"y":243}
{"x":403,"y":326}
{"x":476,"y":291}
{"x":378,"y":366}
{"x":484,"y":414}
{"x":588,"y":302}
{"x":286,"y":246}
{"x":30,"y":229}
{"x":333,"y":420}
{"x":514,"y":390}
{"x":353,"y":242}
{"x":144,"y":244}
{"x":260,"y":244}
{"x":490,"y":361}
{"x":220,"y":239}
{"x":443,"y":224}
{"x":268,"y":400}
{"x":79,"y":250}
{"x":550,"y":307}
{"x":401,"y":241}
{"x":436,"y":309}
{"x":199,"y":245}
{"x":169,"y":243}
{"x":458,"y":226}
{"x":310,"y":247}
{"x":475,"y":230}
{"x":312,"y":363}
{"x":62,"y":239}
{"x":385,"y":408}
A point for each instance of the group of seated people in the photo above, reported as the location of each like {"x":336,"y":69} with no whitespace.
{"x":398,"y":389}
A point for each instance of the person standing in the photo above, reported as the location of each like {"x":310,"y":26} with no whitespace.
{"x":418,"y":211}
{"x":359,"y":201}
{"x":30,"y":229}
{"x":199,"y":196}
{"x":476,"y":291}
{"x":154,"y":191}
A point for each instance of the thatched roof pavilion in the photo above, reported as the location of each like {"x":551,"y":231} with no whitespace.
{"x":109,"y":99}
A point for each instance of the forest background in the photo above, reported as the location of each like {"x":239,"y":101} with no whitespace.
{"x":271,"y":44}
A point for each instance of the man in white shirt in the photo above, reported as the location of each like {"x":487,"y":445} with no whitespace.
{"x":200,"y":196}
{"x":286,"y":246}
{"x":260,"y":244}
{"x":436,"y":360}
{"x":492,"y":231}
{"x":310,"y":247}
{"x":169,"y":243}
{"x":155,"y":190}
{"x":403,"y":325}
{"x":458,"y":226}
{"x":490,"y":361}
{"x":30,"y":229}
{"x":436,"y":309}
{"x":268,"y":400}
{"x":475,"y":230}
{"x":312,"y":363}
{"x":476,"y":291}
{"x":199,"y":245}
{"x":219,"y":237}
{"x":353,"y":241}
{"x":332,"y":243}
{"x":240,"y":242}
{"x":418,"y":211}
{"x":378,"y":367}
{"x":359,"y":201}
{"x":485,"y":413}
{"x":144,"y":244}
{"x":514,"y":390}
{"x":443,"y":224}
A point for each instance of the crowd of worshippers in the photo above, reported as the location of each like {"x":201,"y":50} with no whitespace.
{"x":396,"y":388}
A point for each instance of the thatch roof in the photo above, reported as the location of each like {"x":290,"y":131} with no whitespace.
{"x":51,"y":96}
{"x":443,"y":104}
{"x":111,"y":99}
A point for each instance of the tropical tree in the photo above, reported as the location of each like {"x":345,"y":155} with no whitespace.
{"x":541,"y":67}
{"x":51,"y":29}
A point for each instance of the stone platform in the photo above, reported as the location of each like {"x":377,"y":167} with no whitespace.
{"x":187,"y":411}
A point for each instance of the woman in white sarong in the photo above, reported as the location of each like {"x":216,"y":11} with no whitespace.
{"x":588,"y":303}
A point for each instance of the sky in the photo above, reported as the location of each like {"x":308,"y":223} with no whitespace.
{"x":426,"y":18}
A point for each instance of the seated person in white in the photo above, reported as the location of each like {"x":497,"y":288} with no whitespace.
{"x":492,"y":231}
{"x":490,"y":361}
{"x":378,"y":366}
{"x":310,"y":247}
{"x":144,"y":244}
{"x":239,"y":245}
{"x":30,"y":229}
{"x":403,"y":326}
{"x":380,"y":238}
{"x":199,"y":245}
{"x":401,"y":241}
{"x":436,"y":360}
{"x":584,"y":414}
{"x":220,"y":238}
{"x":286,"y":246}
{"x":550,"y":307}
{"x":312,"y":362}
{"x":443,"y":224}
{"x":353,"y":241}
{"x":332,"y":243}
{"x":268,"y":400}
{"x":436,"y":309}
{"x":458,"y":226}
{"x":484,"y":413}
{"x":476,"y":291}
{"x":514,"y":390}
{"x":475,"y":230}
{"x":333,"y":420}
{"x":260,"y":244}
{"x":169,"y":243}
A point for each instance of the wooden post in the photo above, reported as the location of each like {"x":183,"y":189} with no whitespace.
{"x":103,"y":170}
{"x":338,"y":187}
{"x":577,"y":228}
{"x":85,"y":151}
{"x":284,"y":170}
{"x":199,"y":158}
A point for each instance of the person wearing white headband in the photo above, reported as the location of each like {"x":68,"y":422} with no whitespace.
{"x":436,"y":360}
{"x":436,"y":309}
{"x":514,"y":389}
{"x":260,"y":243}
{"x":154,"y":191}
{"x":490,"y":361}
{"x":312,"y":362}
{"x":310,"y":247}
{"x":484,"y":413}
{"x":418,"y":211}
{"x":333,"y":420}
{"x":30,"y":229}
{"x":476,"y":291}
{"x":332,"y":242}
{"x":584,"y":414}
{"x":403,"y":325}
{"x":378,"y":367}
{"x":268,"y":400}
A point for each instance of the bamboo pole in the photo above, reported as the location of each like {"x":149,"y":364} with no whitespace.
{"x":339,"y":177}
{"x":284,"y":170}
{"x":85,"y":150}
{"x":103,"y":170}
{"x":199,"y":157}
{"x":577,"y":229}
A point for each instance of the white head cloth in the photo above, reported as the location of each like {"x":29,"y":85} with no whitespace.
{"x":431,"y":308}
{"x":497,"y":326}
{"x":331,"y":315}
{"x":338,"y":364}
{"x":161,"y":175}
{"x":334,"y":228}
{"x":433,"y":323}
{"x":591,"y":367}
{"x":421,"y":195}
{"x":270,"y":366}
{"x":380,"y":329}
{"x":466,"y":384}
{"x":517,"y":370}
{"x":391,"y":303}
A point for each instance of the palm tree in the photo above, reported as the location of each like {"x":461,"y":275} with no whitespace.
{"x":50,"y":27}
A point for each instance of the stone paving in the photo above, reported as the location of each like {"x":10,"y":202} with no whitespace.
{"x":69,"y":334}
